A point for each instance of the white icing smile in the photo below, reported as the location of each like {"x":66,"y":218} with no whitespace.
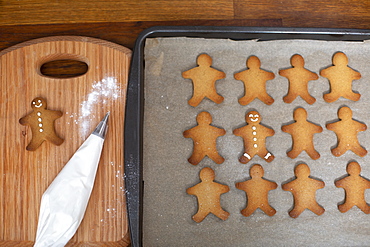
{"x":37,"y":104}
{"x":254,"y":118}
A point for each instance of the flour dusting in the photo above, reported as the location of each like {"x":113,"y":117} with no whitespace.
{"x":102,"y":91}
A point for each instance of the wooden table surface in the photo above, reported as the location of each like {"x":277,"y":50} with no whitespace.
{"x":122,"y":21}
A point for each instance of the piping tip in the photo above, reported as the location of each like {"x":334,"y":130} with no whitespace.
{"x":101,"y":129}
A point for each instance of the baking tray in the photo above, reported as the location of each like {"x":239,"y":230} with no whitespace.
{"x":135,"y":94}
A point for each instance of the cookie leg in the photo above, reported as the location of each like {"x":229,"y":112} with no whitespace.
{"x":317,"y":209}
{"x":55,"y":140}
{"x":220,"y":213}
{"x":353,"y":96}
{"x":331,"y":97}
{"x":199,"y":216}
{"x":266,"y":155}
{"x":313,"y":153}
{"x":364,"y":207}
{"x":296,"y":211}
{"x":294,"y":152}
{"x":216,"y":158}
{"x":245,"y":158}
{"x":344,"y":207}
{"x":270,"y":211}
{"x":216,"y":98}
{"x":289,"y":98}
{"x":196,"y":157}
{"x":195,"y":100}
{"x":308,"y":98}
{"x":267,"y":99}
{"x":338,"y":151}
{"x":34,"y":144}
{"x":360,"y":151}
{"x":245,"y":100}
{"x":248,"y":211}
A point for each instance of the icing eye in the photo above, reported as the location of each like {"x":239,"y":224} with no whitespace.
{"x":250,"y":115}
{"x":256,"y":116}
{"x":39,"y":101}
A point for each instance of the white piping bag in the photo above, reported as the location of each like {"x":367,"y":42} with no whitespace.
{"x":64,"y":203}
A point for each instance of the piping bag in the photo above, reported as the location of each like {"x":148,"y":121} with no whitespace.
{"x":64,"y":202}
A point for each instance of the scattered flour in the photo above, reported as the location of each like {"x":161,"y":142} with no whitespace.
{"x":102,"y":91}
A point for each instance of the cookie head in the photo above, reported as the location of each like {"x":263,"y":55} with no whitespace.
{"x":253,"y":117}
{"x":297,"y":61}
{"x":38,"y":103}
{"x":253,"y":62}
{"x":302,"y":170}
{"x":204,"y":60}
{"x":353,"y":168}
{"x":345,"y":113}
{"x":256,"y":171}
{"x":300,"y":114}
{"x":340,"y":58}
{"x":207,"y":174}
{"x":204,"y":118}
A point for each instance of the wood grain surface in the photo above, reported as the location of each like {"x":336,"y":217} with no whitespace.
{"x":122,"y":21}
{"x":84,"y":100}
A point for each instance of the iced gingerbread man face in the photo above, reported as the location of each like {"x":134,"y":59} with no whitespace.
{"x":253,"y":117}
{"x":38,"y":103}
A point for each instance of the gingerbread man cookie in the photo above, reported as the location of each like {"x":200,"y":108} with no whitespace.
{"x":340,"y":77}
{"x":208,"y":194}
{"x":204,"y":78}
{"x":204,"y":138}
{"x":254,"y":79}
{"x":304,"y":190}
{"x":354,"y":186}
{"x":302,"y":133}
{"x":41,"y":122}
{"x":298,"y":78}
{"x":254,"y":135}
{"x":346,"y":130}
{"x":257,"y":189}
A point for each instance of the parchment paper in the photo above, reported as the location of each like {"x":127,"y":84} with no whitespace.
{"x":167,"y":173}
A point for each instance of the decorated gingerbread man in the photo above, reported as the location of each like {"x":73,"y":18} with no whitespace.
{"x":302,"y":133}
{"x":254,"y":79}
{"x":298,"y":78}
{"x":257,"y":189}
{"x":208,"y":194}
{"x":354,"y":186}
{"x":346,"y":130}
{"x":41,"y":122}
{"x":204,"y":138}
{"x":254,"y":135}
{"x":304,"y":190}
{"x":204,"y":78}
{"x":340,"y":77}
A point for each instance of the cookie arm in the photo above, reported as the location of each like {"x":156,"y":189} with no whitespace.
{"x":272,"y":185}
{"x":287,"y":128}
{"x":191,"y":190}
{"x":224,"y":188}
{"x":187,"y":133}
{"x":238,"y":132}
{"x":324,"y":72}
{"x":320,"y":184}
{"x":187,"y":74}
{"x":24,"y":120}
{"x":270,"y":75}
{"x":339,"y":183}
{"x":331,"y":126}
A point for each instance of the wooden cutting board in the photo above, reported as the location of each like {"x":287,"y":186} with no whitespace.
{"x":84,"y":100}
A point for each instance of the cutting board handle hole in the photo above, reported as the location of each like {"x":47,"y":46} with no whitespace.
{"x":63,"y":66}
